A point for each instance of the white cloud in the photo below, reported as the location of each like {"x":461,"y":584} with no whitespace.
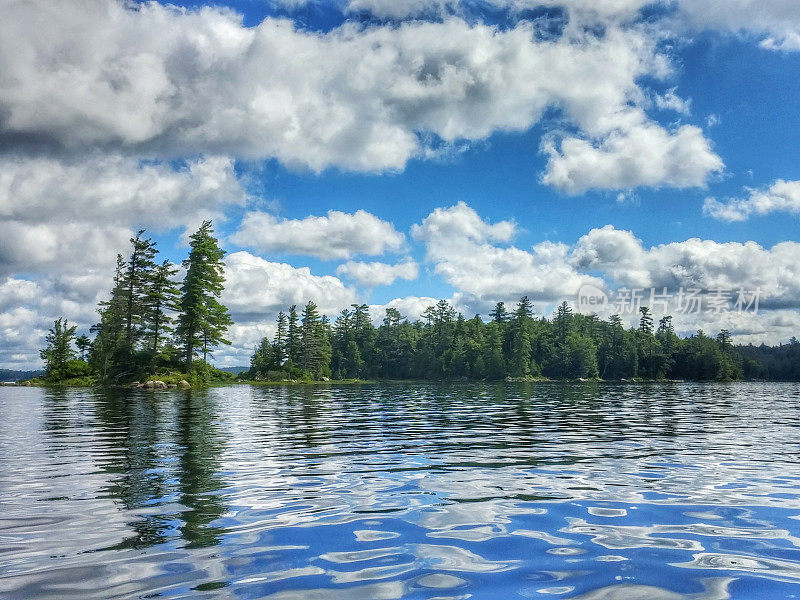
{"x":337,"y":235}
{"x":257,"y":288}
{"x":781,"y":196}
{"x":373,"y":274}
{"x":581,"y":9}
{"x":117,"y":190}
{"x":777,"y":22}
{"x":28,"y":309}
{"x":703,"y":264}
{"x":462,"y":247}
{"x":410,"y":307}
{"x":70,"y":248}
{"x":77,"y":215}
{"x":671,"y":101}
{"x":163,"y":81}
{"x":642,"y":155}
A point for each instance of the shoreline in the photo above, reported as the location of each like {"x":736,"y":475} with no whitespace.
{"x":351,"y":382}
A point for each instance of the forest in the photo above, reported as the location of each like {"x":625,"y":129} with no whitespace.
{"x":510,"y":344}
{"x":153,"y":325}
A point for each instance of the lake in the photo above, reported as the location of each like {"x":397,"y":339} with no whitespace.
{"x":449,"y":491}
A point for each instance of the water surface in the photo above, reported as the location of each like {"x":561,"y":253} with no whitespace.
{"x":590,"y":491}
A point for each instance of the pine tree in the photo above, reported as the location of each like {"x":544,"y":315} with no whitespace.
{"x":59,"y":349}
{"x":293,"y":336}
{"x":280,"y":340}
{"x":563,"y":327}
{"x":83,"y":343}
{"x":521,"y":338}
{"x":162,"y":295}
{"x":499,"y":313}
{"x":137,"y":279}
{"x":310,"y":339}
{"x":109,"y":352}
{"x":203,"y":320}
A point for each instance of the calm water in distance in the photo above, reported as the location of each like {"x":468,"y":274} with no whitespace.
{"x":413,"y":491}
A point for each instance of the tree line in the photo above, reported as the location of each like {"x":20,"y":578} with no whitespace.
{"x":151,"y":323}
{"x":512,"y":343}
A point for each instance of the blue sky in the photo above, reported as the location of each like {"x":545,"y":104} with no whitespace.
{"x":493,"y":149}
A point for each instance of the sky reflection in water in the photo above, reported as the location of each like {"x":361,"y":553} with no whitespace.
{"x":602,"y":492}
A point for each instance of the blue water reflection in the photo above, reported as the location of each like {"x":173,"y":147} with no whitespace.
{"x":591,"y":491}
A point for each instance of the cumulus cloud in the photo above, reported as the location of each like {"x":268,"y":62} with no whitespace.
{"x":257,"y":289}
{"x":337,"y":235}
{"x":28,"y":309}
{"x":781,"y":196}
{"x":671,"y":101}
{"x":117,"y":190}
{"x":642,"y":155}
{"x":164,"y":81}
{"x":371,"y":274}
{"x":703,"y":264}
{"x":410,"y":307}
{"x":86,"y":210}
{"x":776,"y":22}
{"x":463,"y":249}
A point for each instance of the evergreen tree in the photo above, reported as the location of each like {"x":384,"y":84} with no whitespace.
{"x":280,"y":340}
{"x":315,"y":349}
{"x":203,"y":320}
{"x":563,"y":325}
{"x":499,"y":313}
{"x":83,"y":343}
{"x":109,"y":356}
{"x":162,"y":295}
{"x":520,"y":330}
{"x":58,"y":352}
{"x":136,"y":283}
{"x":293,"y":336}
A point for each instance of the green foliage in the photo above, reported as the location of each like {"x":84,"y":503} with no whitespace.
{"x":201,"y":374}
{"x":203,"y":320}
{"x":59,"y":355}
{"x":135,"y":336}
{"x":443,"y":345}
{"x":161,"y":297}
{"x":136,"y":283}
{"x":780,"y":362}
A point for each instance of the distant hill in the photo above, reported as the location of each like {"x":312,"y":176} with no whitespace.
{"x":12,"y":375}
{"x":235,"y":370}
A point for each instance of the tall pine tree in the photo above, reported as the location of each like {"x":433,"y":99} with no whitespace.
{"x":162,"y":296}
{"x":203,"y":320}
{"x":137,"y":277}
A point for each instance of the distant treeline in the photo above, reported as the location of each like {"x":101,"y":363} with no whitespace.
{"x":445,"y":345}
{"x":151,"y":323}
{"x":12,"y":375}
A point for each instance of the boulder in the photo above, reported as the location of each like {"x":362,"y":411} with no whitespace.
{"x":184,"y":383}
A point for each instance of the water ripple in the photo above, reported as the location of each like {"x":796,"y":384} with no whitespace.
{"x":590,"y":491}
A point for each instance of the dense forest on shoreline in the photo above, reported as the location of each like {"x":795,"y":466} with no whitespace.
{"x":155,"y":327}
{"x":512,"y":344}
